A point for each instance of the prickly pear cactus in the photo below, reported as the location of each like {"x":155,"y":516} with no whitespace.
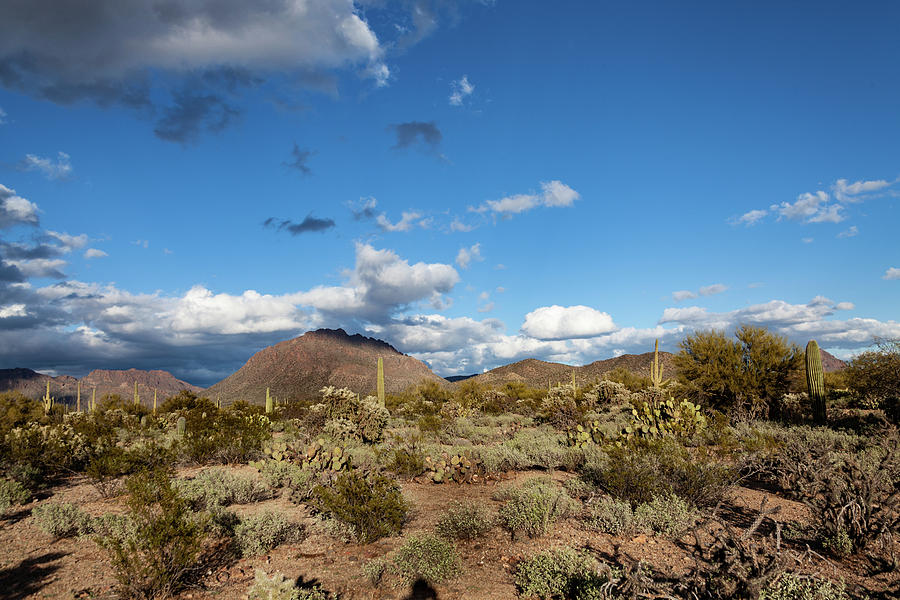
{"x":667,"y":417}
{"x":584,"y":435}
{"x":319,"y":458}
{"x":457,"y":468}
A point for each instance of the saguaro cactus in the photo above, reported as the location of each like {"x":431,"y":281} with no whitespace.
{"x":137,"y":398}
{"x":180,"y":426}
{"x":93,"y":405}
{"x":154,"y":401}
{"x":815,"y":381}
{"x":78,"y":398}
{"x":655,"y":368}
{"x":380,"y":383}
{"x":47,"y":400}
{"x":270,"y":403}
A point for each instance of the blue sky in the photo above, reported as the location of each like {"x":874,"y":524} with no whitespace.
{"x":184,"y":183}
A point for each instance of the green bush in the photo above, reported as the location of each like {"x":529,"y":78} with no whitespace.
{"x":16,"y":410}
{"x":158,"y":560}
{"x":563,"y":573}
{"x":260,"y":533}
{"x":105,"y":466}
{"x":274,"y":587}
{"x":667,"y":515}
{"x":427,"y":557}
{"x":62,"y":520}
{"x":12,"y":493}
{"x":374,"y":570}
{"x":875,"y":375}
{"x":534,"y":507}
{"x":464,"y":522}
{"x":223,"y":435}
{"x":219,"y":487}
{"x":608,"y":515}
{"x":373,"y":506}
{"x":284,"y":473}
{"x":796,"y":587}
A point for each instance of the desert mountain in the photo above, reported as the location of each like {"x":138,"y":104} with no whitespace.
{"x":537,"y":373}
{"x":65,"y":388}
{"x":300,"y":367}
{"x":830,"y":362}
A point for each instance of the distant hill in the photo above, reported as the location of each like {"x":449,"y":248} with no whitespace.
{"x":300,"y":367}
{"x":831,"y":363}
{"x":537,"y":373}
{"x":65,"y":388}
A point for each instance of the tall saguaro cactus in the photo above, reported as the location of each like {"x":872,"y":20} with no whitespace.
{"x":656,"y":369}
{"x":137,"y":398}
{"x":78,"y":398}
{"x":47,"y":400}
{"x":154,"y":401}
{"x":270,"y":403}
{"x":380,"y":383}
{"x":815,"y":381}
{"x":93,"y":405}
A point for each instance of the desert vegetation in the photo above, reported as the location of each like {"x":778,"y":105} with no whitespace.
{"x":723,"y":479}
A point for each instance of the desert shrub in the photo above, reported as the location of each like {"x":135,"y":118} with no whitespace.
{"x":157,"y":561}
{"x":542,"y":448}
{"x":407,"y":459}
{"x":608,"y":515}
{"x":372,"y":506}
{"x":284,"y":473}
{"x":796,"y":587}
{"x":577,"y":487}
{"x":667,"y":515}
{"x":260,"y":533}
{"x":12,"y":493}
{"x":430,"y":423}
{"x":219,"y":487}
{"x":875,"y":375}
{"x":186,"y":400}
{"x":16,"y":410}
{"x":427,"y":557}
{"x":741,"y":374}
{"x":279,"y":587}
{"x":223,"y":435}
{"x":562,"y":573}
{"x":640,"y":471}
{"x":502,"y":457}
{"x":532,"y":508}
{"x":113,"y":526}
{"x":464,"y":522}
{"x":105,"y":466}
{"x":632,"y":381}
{"x":374,"y":570}
{"x":606,"y":392}
{"x":62,"y":520}
{"x":38,"y":453}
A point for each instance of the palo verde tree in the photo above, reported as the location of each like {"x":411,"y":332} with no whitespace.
{"x":745,"y":372}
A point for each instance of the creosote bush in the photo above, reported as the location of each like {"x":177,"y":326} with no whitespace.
{"x":158,"y":560}
{"x":608,"y":515}
{"x":62,"y":520}
{"x":427,"y":557}
{"x":260,"y":533}
{"x":218,"y":487}
{"x":667,"y":515}
{"x":373,"y":506}
{"x":464,"y":522}
{"x":562,"y":573}
{"x":12,"y":493}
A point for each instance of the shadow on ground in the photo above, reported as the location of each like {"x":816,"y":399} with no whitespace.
{"x":28,"y":577}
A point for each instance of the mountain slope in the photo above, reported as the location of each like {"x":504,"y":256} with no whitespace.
{"x":299,"y":368}
{"x":65,"y":388}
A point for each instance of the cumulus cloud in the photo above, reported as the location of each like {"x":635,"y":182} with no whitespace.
{"x":207,"y":51}
{"x":553,"y":194}
{"x":15,"y":210}
{"x":69,"y":242}
{"x":682,"y":295}
{"x":562,"y":322}
{"x":2,"y":116}
{"x":94,"y":253}
{"x":458,"y":226}
{"x":810,"y":208}
{"x":891,"y":273}
{"x":465,"y":256}
{"x":307,"y":225}
{"x":408,"y":220}
{"x":708,"y":290}
{"x":299,"y":159}
{"x":460,"y":89}
{"x":858,"y":190}
{"x":364,"y":209}
{"x":711,"y":290}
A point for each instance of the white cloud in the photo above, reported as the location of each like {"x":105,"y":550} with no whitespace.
{"x":60,"y":169}
{"x":94,"y":253}
{"x":407,"y":222}
{"x":486,"y":308}
{"x":682,"y":295}
{"x":849,"y":233}
{"x":2,"y":116}
{"x":460,"y":90}
{"x":69,"y":242}
{"x":457,"y":225}
{"x":844,"y":306}
{"x":40,"y":267}
{"x":13,"y":310}
{"x":711,"y":290}
{"x":858,"y":190}
{"x":891,"y":273}
{"x":15,"y":210}
{"x":141,"y":243}
{"x":553,"y":194}
{"x":750,"y":218}
{"x":562,"y":322}
{"x":810,"y":208}
{"x":465,"y":256}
